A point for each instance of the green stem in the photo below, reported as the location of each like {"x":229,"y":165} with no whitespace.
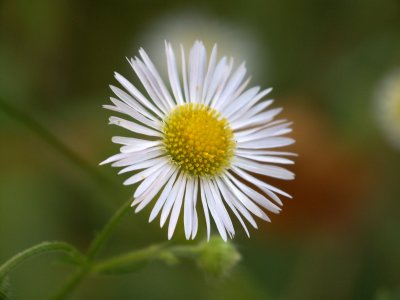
{"x":129,"y":261}
{"x":53,"y":141}
{"x":94,"y":248}
{"x":104,"y":234}
{"x":133,"y":261}
{"x":185,"y":251}
{"x":36,"y":250}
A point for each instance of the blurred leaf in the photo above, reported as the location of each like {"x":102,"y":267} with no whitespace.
{"x":386,"y":294}
{"x":5,"y":291}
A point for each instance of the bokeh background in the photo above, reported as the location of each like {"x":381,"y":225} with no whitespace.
{"x":329,"y":63}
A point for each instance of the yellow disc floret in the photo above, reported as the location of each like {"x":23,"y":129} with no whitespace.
{"x":198,"y":139}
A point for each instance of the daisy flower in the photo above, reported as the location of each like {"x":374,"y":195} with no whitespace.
{"x":202,"y":142}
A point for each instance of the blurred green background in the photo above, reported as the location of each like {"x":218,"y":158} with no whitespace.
{"x":337,"y":239}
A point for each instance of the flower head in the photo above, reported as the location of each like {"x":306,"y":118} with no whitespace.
{"x":203,"y":145}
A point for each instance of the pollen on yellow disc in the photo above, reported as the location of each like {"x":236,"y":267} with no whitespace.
{"x":198,"y":139}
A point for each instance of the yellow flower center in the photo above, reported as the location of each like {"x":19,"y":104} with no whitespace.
{"x":198,"y":139}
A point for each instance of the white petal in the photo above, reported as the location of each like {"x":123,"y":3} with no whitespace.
{"x":215,"y":81}
{"x":139,"y":102}
{"x":173,"y":74}
{"x":194,"y":203}
{"x":197,"y":65}
{"x":139,"y":146}
{"x":210,"y":72}
{"x":128,"y":141}
{"x":211,"y":205}
{"x":239,"y":102}
{"x":205,"y":208}
{"x":228,"y":200}
{"x":254,"y":195}
{"x":123,"y":108}
{"x":145,"y":173}
{"x":240,"y":90}
{"x":265,"y":133}
{"x":145,"y":184}
{"x":139,"y":156}
{"x":265,"y":187}
{"x":156,"y":79}
{"x":148,"y":83}
{"x":176,"y":210}
{"x":221,"y":210}
{"x":143,"y":165}
{"x":249,"y":104}
{"x":188,"y":208}
{"x":134,"y":127}
{"x":161,"y":200}
{"x":231,"y":86}
{"x":184,"y":76}
{"x":115,"y":157}
{"x":271,"y":129}
{"x":154,"y":189}
{"x":262,"y":152}
{"x":151,"y":85}
{"x":256,"y":109}
{"x":268,"y":159}
{"x":171,"y":199}
{"x":270,"y":142}
{"x":153,"y":186}
{"x":263,"y":169}
{"x":233,"y":98}
{"x":222,"y":84}
{"x":257,"y":120}
{"x":250,"y":205}
{"x":236,"y":203}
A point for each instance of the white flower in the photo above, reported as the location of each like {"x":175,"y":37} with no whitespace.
{"x":388,"y":107}
{"x":205,"y":142}
{"x":186,"y":25}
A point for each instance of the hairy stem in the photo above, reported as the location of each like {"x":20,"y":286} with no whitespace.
{"x":133,"y":261}
{"x":41,"y":248}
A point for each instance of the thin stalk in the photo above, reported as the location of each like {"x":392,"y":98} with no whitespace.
{"x":134,"y":260}
{"x":128,"y":261}
{"x":41,"y":248}
{"x":58,"y":145}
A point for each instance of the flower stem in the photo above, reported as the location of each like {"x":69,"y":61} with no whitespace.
{"x":36,"y":250}
{"x":128,"y":262}
{"x":133,"y":261}
{"x":58,"y":145}
{"x":94,"y":248}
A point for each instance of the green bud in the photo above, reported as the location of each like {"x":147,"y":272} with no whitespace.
{"x":217,"y":257}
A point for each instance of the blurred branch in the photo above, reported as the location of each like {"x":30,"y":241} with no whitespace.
{"x":41,"y":248}
{"x":58,"y":145}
